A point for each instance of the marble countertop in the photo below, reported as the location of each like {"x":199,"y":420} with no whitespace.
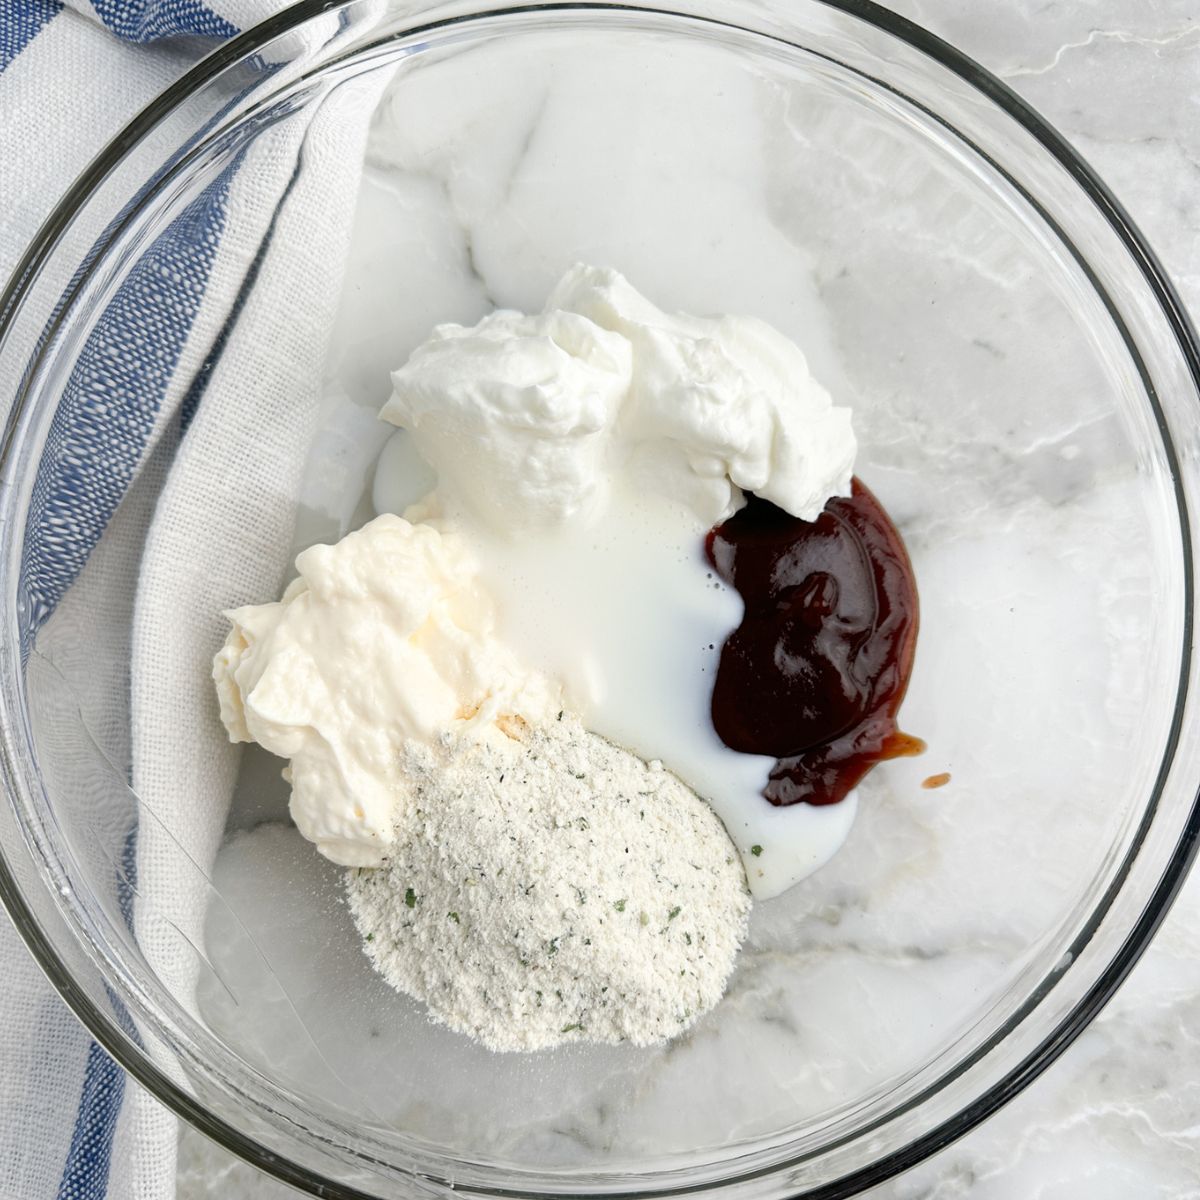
{"x":1119,"y":1114}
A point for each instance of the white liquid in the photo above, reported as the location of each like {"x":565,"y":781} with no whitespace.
{"x":630,"y":618}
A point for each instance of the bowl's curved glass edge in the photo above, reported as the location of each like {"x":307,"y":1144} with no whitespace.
{"x":114,"y":1040}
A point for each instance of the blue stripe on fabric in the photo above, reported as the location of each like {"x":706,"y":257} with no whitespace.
{"x":88,"y":1167}
{"x":276,"y":112}
{"x":181,"y":259}
{"x":149,"y":20}
{"x":20,"y":21}
{"x":65,"y":557}
{"x":107,"y":412}
{"x":89,"y":1160}
{"x":111,"y":401}
{"x":105,"y":418}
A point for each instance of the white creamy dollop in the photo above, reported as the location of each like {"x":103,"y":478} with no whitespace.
{"x":383,"y":637}
{"x":529,"y":420}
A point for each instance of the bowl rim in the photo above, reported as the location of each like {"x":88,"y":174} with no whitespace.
{"x":107,"y":1031}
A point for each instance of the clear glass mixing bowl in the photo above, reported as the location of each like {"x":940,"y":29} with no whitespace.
{"x":1025,"y":391}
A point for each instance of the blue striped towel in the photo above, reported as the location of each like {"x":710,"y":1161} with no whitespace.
{"x":161,"y":384}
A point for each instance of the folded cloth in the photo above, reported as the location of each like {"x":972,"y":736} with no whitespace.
{"x":169,"y":386}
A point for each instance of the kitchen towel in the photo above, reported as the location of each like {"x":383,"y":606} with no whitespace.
{"x":155,"y":403}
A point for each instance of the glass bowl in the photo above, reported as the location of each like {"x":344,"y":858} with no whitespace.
{"x":196,"y":346}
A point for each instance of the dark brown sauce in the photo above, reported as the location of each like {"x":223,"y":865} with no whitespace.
{"x":816,"y":671}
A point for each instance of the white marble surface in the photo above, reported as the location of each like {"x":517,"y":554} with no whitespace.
{"x":1119,"y":1115}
